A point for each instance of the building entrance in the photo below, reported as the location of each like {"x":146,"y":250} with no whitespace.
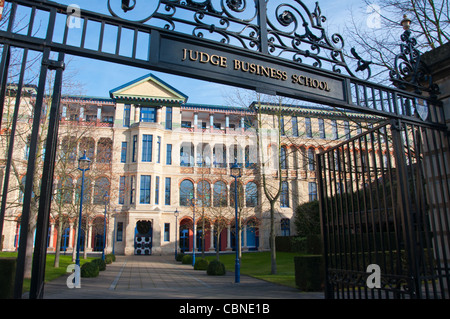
{"x":143,"y":238}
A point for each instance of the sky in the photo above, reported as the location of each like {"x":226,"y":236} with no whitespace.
{"x":98,"y":78}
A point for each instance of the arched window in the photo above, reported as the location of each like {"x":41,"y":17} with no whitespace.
{"x":186,"y":192}
{"x":104,"y":150}
{"x":101,"y":188}
{"x":65,"y":190}
{"x":284,"y":198}
{"x":251,"y":195}
{"x":285,"y":227}
{"x":240,"y":194}
{"x":87,"y":144}
{"x":283,"y":157}
{"x":204,"y":193}
{"x":87,"y":190}
{"x":220,"y":194}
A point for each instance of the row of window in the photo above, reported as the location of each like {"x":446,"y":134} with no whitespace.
{"x":147,"y":150}
{"x":321,"y":124}
{"x":145,"y":190}
{"x":218,"y":196}
{"x":147,"y":114}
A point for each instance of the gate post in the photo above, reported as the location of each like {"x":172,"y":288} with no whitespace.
{"x":40,"y":250}
{"x":404,"y":201}
{"x":320,"y":168}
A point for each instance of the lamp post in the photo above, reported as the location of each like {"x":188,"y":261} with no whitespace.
{"x":106,"y":198}
{"x":83,"y":165}
{"x":176,"y":213}
{"x":236,"y":173}
{"x":193,"y":229}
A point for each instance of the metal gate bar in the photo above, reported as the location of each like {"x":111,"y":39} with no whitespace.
{"x":383,"y":197}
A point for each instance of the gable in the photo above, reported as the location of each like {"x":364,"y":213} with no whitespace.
{"x":148,"y":90}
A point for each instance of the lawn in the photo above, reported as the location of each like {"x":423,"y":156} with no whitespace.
{"x":50,"y":271}
{"x":257,"y":265}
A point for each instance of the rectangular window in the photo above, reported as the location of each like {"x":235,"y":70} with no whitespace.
{"x":132,"y":188}
{"x":169,"y":154}
{"x":294,"y":126}
{"x":148,"y":114}
{"x":166,"y":232}
{"x":167,"y":191}
{"x":308,"y":129}
{"x":284,"y":196}
{"x":335,"y":129}
{"x":312,"y":191}
{"x":144,"y":195}
{"x":123,"y":153}
{"x":282,"y":125}
{"x":186,"y":124}
{"x":157,"y":190}
{"x":158,"y":150}
{"x":134,"y":157}
{"x":347,"y":129}
{"x":119,"y":235}
{"x":168,"y":118}
{"x":122,"y":190}
{"x":147,"y":144}
{"x":126,"y":115}
{"x":311,"y":163}
{"x":321,"y":128}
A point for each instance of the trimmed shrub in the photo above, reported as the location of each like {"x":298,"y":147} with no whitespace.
{"x":307,"y":219}
{"x":216,"y":268}
{"x":180,"y":256}
{"x":187,"y":260}
{"x":201,"y":264}
{"x":7,"y":276}
{"x":309,"y":272}
{"x":89,"y":269}
{"x":110,"y":258}
{"x":101,"y":264}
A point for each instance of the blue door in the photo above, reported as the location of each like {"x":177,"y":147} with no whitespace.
{"x":184,"y":240}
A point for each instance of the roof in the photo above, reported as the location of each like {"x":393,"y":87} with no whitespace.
{"x":148,"y":89}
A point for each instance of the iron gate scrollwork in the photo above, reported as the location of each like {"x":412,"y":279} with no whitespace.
{"x":383,"y":197}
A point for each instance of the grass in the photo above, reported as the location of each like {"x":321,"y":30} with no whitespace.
{"x":258,"y":265}
{"x":50,"y":271}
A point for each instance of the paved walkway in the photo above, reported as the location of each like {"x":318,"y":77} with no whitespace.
{"x":161,"y":277}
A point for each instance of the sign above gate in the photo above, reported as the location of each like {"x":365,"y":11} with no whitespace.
{"x":252,"y":70}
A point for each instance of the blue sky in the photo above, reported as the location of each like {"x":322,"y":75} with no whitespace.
{"x":98,"y":77}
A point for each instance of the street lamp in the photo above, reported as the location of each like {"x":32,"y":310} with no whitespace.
{"x":406,"y":22}
{"x":106,"y":198}
{"x":84,"y":164}
{"x":236,"y":173}
{"x":176,"y":213}
{"x":193,"y":229}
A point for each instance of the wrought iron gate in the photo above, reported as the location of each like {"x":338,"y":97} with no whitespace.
{"x":384,"y":200}
{"x":403,"y":230}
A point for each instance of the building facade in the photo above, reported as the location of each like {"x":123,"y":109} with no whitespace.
{"x":154,"y":154}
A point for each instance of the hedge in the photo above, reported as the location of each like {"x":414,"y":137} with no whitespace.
{"x":187,"y":260}
{"x":101,"y":264}
{"x":309,"y":272}
{"x":89,"y":269}
{"x":7,"y":274}
{"x":216,"y":268}
{"x":311,"y":244}
{"x":201,"y":264}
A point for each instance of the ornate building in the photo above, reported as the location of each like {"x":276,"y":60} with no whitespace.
{"x":154,"y":154}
